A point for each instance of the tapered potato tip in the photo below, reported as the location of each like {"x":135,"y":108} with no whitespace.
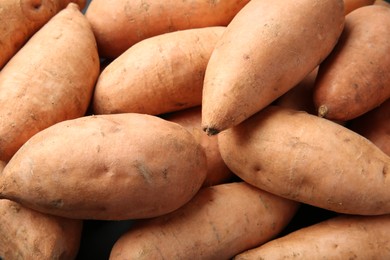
{"x":210,"y":131}
{"x":322,"y":111}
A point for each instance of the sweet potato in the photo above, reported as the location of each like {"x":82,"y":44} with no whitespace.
{"x":217,"y":171}
{"x":342,"y":237}
{"x":20,"y":19}
{"x":382,"y":2}
{"x":217,"y":223}
{"x":120,"y":24}
{"x":108,"y":167}
{"x":351,"y":5}
{"x":355,"y":77}
{"x":267,"y":49}
{"x":309,"y":159}
{"x":50,"y":79}
{"x":28,"y":234}
{"x":375,"y":126}
{"x":158,"y":75}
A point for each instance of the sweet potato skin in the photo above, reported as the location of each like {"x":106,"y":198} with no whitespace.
{"x":375,"y":126}
{"x":342,"y":237}
{"x":351,"y":5}
{"x":48,"y":80}
{"x":252,"y":63}
{"x":27,"y":17}
{"x":217,"y":171}
{"x":309,"y":159}
{"x":109,"y":167}
{"x":120,"y":24}
{"x":28,"y":234}
{"x":157,"y":75}
{"x":354,"y":78}
{"x":218,"y":222}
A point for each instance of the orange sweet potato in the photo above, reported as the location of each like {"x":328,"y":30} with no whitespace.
{"x":217,"y":171}
{"x":50,"y":79}
{"x":158,"y":75}
{"x":351,"y":5}
{"x":217,"y":223}
{"x":375,"y":126}
{"x":28,"y":234}
{"x":267,"y":49}
{"x":109,"y":167}
{"x":342,"y":237}
{"x":309,"y":159}
{"x":355,"y":77}
{"x":20,"y":19}
{"x":119,"y":24}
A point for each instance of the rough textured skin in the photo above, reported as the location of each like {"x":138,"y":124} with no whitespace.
{"x":355,"y":77}
{"x":217,"y":223}
{"x":28,"y":234}
{"x":309,"y":159}
{"x":217,"y":171}
{"x":267,"y":49}
{"x":375,"y":126}
{"x":50,"y":79}
{"x":339,"y":238}
{"x":351,"y":5}
{"x":158,"y":75}
{"x":20,"y":19}
{"x":119,"y":24}
{"x":110,"y":167}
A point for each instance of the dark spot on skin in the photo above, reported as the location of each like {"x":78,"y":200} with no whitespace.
{"x":347,"y":140}
{"x":256,"y":168}
{"x":57,"y":203}
{"x":355,"y":85}
{"x":246,"y":57}
{"x":165,"y":173}
{"x":385,"y":171}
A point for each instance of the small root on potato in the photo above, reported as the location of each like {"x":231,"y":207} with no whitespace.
{"x":322,"y":111}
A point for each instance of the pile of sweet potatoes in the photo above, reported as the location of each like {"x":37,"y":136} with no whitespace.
{"x":229,"y":129}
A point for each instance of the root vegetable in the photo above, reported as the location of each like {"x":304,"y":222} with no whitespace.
{"x":108,"y":167}
{"x":309,"y":159}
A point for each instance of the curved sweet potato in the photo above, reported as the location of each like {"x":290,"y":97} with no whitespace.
{"x":20,"y":19}
{"x":109,"y":167}
{"x":309,"y":159}
{"x":50,"y":79}
{"x":158,"y":75}
{"x":267,"y":49}
{"x":28,"y":234}
{"x":355,"y":77}
{"x":342,"y":237}
{"x":217,"y":223}
{"x":119,"y":24}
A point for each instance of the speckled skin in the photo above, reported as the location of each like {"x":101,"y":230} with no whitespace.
{"x":158,"y":75}
{"x":309,"y":159}
{"x":109,"y":167}
{"x":19,"y":20}
{"x":218,"y":223}
{"x":49,"y":80}
{"x":266,"y":50}
{"x":28,"y":234}
{"x":119,"y":24}
{"x":343,"y":237}
{"x":355,"y":77}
